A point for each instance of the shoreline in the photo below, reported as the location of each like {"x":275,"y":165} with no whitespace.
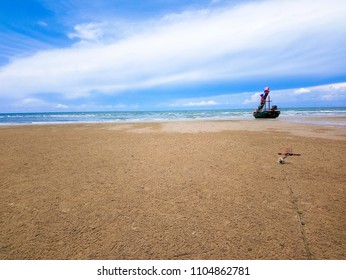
{"x":332,"y":117}
{"x":172,"y":190}
{"x":318,"y":127}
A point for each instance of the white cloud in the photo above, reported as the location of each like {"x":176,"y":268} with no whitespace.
{"x":42,"y":23}
{"x":341,"y":87}
{"x":259,"y":39}
{"x":61,"y":106}
{"x":87,"y":32}
{"x":302,"y":91}
{"x":31,"y":101}
{"x":196,"y":103}
{"x":253,"y":98}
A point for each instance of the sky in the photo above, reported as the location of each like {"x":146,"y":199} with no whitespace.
{"x":87,"y":55}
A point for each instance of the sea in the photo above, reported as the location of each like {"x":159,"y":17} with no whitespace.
{"x":290,"y":114}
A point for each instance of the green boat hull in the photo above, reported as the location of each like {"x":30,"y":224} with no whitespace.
{"x":270,"y":114}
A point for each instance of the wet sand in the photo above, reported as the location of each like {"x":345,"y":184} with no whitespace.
{"x":175,"y":190}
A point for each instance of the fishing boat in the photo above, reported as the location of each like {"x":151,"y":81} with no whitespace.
{"x":264,"y":111}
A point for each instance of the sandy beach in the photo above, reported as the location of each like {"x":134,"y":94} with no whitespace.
{"x":174,"y":190}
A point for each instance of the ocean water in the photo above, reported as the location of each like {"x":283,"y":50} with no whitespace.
{"x":291,"y":114}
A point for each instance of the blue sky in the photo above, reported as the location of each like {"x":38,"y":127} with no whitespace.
{"x":79,"y":55}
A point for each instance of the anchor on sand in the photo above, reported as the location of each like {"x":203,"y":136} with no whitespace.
{"x":288,"y":152}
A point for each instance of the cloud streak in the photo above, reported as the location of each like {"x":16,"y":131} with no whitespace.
{"x":252,"y":41}
{"x":324,"y":96}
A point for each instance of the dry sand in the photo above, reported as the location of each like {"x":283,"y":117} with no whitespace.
{"x":179,"y":190}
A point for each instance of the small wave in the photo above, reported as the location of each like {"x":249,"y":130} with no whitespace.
{"x":157,"y":116}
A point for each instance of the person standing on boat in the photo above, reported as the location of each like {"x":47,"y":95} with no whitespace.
{"x":266,"y":92}
{"x":264,"y":96}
